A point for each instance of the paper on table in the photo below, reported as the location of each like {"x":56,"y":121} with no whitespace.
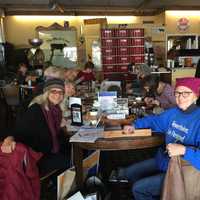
{"x":106,"y":100}
{"x":76,"y":196}
{"x":87,"y":134}
{"x":91,"y":197}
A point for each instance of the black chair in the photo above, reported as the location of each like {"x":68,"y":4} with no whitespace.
{"x":47,"y":190}
{"x":11,"y":95}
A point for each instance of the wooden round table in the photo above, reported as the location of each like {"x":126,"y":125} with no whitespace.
{"x":113,"y":144}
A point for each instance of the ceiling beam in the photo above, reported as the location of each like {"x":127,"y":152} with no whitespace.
{"x":75,"y":12}
{"x":143,"y":9}
{"x":143,"y":4}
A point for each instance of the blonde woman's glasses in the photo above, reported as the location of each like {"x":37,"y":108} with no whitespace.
{"x":60,"y":92}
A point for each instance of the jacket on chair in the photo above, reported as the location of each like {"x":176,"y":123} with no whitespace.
{"x":19,"y":177}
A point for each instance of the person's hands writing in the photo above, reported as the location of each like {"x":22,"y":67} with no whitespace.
{"x":149,"y":101}
{"x":175,"y":149}
{"x":128,"y":129}
{"x":8,"y":145}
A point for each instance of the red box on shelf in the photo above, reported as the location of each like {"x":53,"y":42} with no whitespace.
{"x":136,"y":32}
{"x":123,"y":42}
{"x":123,"y":51}
{"x":137,"y":59}
{"x":131,"y":50}
{"x":107,"y":33}
{"x":138,"y":50}
{"x":123,"y":59}
{"x":109,"y":68}
{"x":122,"y":68}
{"x":108,"y":51}
{"x":137,"y":41}
{"x":108,"y":42}
{"x":108,"y":60}
{"x":122,"y":32}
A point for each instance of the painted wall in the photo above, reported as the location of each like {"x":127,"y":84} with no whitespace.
{"x":20,"y":28}
{"x":172,"y":17}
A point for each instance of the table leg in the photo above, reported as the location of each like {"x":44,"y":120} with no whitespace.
{"x":78,"y":162}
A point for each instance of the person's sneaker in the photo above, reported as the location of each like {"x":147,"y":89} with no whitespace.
{"x":118,"y":176}
{"x":121,"y":175}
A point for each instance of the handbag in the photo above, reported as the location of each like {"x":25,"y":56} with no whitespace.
{"x":182,"y":181}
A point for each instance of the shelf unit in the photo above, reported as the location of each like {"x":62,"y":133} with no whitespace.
{"x":121,"y":46}
{"x":182,"y":50}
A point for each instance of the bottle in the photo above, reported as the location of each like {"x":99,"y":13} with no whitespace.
{"x":29,"y":82}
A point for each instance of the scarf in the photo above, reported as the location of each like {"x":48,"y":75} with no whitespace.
{"x":53,"y":118}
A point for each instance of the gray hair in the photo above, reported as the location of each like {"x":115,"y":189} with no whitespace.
{"x":143,"y":70}
{"x":54,"y":72}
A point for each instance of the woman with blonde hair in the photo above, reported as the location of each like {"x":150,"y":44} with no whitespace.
{"x":40,"y":128}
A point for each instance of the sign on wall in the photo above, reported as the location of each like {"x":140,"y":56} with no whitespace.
{"x":183,"y":24}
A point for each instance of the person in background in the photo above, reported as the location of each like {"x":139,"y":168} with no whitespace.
{"x":158,"y":93}
{"x":70,"y":91}
{"x":141,"y":70}
{"x":40,"y":128}
{"x":180,"y":126}
{"x":53,"y":72}
{"x":131,"y":67}
{"x":87,"y":74}
{"x":49,"y":73}
{"x":22,"y":73}
{"x":70,"y":74}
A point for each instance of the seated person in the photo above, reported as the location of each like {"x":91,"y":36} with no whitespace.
{"x":180,"y":126}
{"x":70,"y":91}
{"x":40,"y":128}
{"x":22,"y":73}
{"x":158,"y":93}
{"x":141,"y":70}
{"x":87,"y":74}
{"x":50,"y":72}
{"x":70,"y":74}
{"x":115,"y":88}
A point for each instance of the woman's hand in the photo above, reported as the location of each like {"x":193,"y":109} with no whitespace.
{"x":148,"y":100}
{"x":151,"y":101}
{"x":128,"y":129}
{"x":63,"y":123}
{"x":8,"y":145}
{"x":156,"y":102}
{"x":175,"y":149}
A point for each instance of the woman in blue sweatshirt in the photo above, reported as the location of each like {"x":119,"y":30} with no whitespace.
{"x":181,"y":127}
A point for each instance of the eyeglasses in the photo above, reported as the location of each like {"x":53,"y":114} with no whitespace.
{"x":60,"y":92}
{"x":184,"y":94}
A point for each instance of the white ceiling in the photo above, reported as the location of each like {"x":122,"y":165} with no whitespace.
{"x":96,"y":7}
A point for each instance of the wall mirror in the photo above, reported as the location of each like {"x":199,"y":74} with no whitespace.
{"x":59,"y":44}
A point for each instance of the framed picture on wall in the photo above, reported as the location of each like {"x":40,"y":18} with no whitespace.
{"x":59,"y":45}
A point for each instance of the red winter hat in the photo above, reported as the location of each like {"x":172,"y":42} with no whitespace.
{"x":189,"y":82}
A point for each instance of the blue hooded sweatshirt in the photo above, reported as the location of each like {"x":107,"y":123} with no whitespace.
{"x":178,"y":127}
